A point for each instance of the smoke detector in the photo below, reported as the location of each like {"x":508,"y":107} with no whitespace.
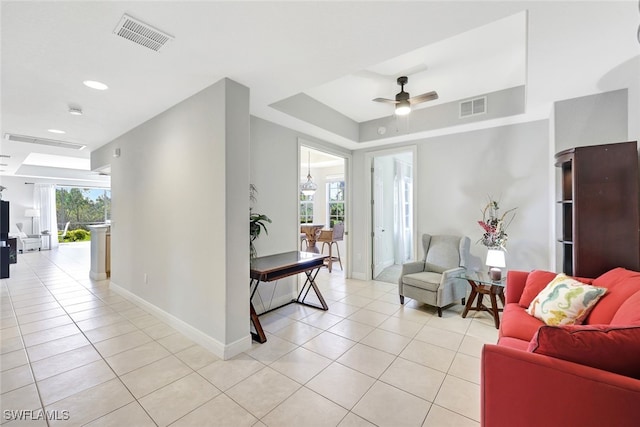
{"x":141,"y":33}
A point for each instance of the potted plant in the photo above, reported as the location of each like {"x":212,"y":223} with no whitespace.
{"x":257,"y":222}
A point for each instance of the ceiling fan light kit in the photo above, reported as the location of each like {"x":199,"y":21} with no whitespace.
{"x":403,"y":101}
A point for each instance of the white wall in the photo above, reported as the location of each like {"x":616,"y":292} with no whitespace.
{"x":20,"y":197}
{"x":192,"y":158}
{"x":456,"y":173}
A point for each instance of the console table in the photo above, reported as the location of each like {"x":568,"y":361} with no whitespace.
{"x":482,"y":285}
{"x":274,"y":267}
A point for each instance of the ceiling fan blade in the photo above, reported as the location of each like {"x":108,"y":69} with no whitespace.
{"x":388,"y":101}
{"x":429,"y":96}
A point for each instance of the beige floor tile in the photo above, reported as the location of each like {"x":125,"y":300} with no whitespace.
{"x":145,"y":321}
{"x":13,"y":359}
{"x":386,"y":341}
{"x":466,"y":367}
{"x":441,"y":417}
{"x":351,"y":329}
{"x":41,"y":315}
{"x":133,"y":313}
{"x":298,"y":332}
{"x":50,"y":334}
{"x":471,"y":346}
{"x":178,"y":398}
{"x":79,"y":316}
{"x":301,"y":364}
{"x":158,"y":374}
{"x":329,"y":345}
{"x":341,"y":384}
{"x":367,"y":360}
{"x":352,"y":420}
{"x":122,"y":343}
{"x":460,"y":396}
{"x":272,"y":350}
{"x":485,"y":331}
{"x":368,"y":317}
{"x":385,"y":405}
{"x":306,"y":408}
{"x":429,"y":355}
{"x":100,"y":321}
{"x":11,"y":344}
{"x":388,"y":308}
{"x":414,"y":315}
{"x":197,"y":357}
{"x":137,"y":357}
{"x":226,"y":373}
{"x":450,"y":321}
{"x":63,"y":362}
{"x":159,"y":330}
{"x":218,"y":412}
{"x":342,"y":309}
{"x":414,"y":378}
{"x":12,"y":379}
{"x":42,"y":325}
{"x":322,"y":320}
{"x":37,"y":308}
{"x":51,"y":348}
{"x":68,"y":383}
{"x":23,"y":398}
{"x":129,"y":415}
{"x":440,"y":337}
{"x":273,"y":322}
{"x":110,"y":331}
{"x":400,"y":326}
{"x":92,"y":403}
{"x":263,"y":391}
{"x":82,"y":306}
{"x":175,"y":342}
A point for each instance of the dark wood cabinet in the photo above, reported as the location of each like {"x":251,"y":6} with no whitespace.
{"x":598,"y":209}
{"x":4,"y":239}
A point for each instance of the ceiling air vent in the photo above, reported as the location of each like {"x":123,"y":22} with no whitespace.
{"x":141,"y":33}
{"x":473,"y":107}
{"x":43,"y":141}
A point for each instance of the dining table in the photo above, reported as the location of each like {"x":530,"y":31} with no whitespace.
{"x":312,"y":231}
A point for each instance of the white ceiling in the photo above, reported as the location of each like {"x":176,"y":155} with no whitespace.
{"x":332,"y":51}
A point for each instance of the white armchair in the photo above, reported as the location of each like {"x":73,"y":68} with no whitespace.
{"x":433,"y":280}
{"x":27,"y":242}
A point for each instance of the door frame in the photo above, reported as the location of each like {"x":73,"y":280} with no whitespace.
{"x":348,"y":159}
{"x":369,"y":240}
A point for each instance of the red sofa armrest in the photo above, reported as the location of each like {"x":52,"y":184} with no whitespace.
{"x":524,"y":389}
{"x":515,"y":285}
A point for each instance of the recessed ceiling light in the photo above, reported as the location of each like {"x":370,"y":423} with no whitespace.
{"x":56,"y":131}
{"x":75,"y":111}
{"x":95,"y":85}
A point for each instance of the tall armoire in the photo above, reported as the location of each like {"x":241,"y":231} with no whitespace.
{"x":4,"y":239}
{"x":598,"y":208}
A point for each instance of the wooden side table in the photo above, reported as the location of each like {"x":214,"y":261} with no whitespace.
{"x":481,"y":285}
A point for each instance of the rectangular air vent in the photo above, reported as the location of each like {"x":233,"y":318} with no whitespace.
{"x":43,"y":141}
{"x":473,"y":107}
{"x":141,"y":33}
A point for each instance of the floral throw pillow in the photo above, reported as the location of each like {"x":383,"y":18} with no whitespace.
{"x":565,"y":301}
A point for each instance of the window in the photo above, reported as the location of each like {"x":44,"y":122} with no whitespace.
{"x":82,"y":206}
{"x":335,"y":205}
{"x":306,"y":209}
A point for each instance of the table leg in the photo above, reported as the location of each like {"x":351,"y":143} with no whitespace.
{"x":494,"y":310}
{"x":259,"y":334}
{"x":472,"y":296}
{"x":308,"y":285}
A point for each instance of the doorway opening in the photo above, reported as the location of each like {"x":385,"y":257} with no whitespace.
{"x":392,"y":214}
{"x":326,"y":207}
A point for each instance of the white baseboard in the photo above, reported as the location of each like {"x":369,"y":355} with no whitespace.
{"x":216,"y":347}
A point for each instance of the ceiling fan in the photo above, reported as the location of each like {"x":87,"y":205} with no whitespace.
{"x":403,"y":102}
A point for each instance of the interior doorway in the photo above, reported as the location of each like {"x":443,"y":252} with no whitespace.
{"x":392,"y":214}
{"x":328,"y":205}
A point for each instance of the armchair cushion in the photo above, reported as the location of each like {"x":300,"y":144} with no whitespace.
{"x":611,"y":348}
{"x":425,"y":280}
{"x":443,"y":253}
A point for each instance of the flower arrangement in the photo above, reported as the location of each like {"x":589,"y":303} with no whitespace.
{"x":495,"y":225}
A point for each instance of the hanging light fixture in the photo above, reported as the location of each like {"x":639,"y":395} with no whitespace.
{"x":309,"y":187}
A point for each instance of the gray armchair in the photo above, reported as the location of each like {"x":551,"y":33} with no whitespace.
{"x":27,"y":242}
{"x":433,"y":280}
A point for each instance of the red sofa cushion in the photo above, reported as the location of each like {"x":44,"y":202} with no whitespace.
{"x":537,"y":280}
{"x":517,"y":323}
{"x":629,"y":312}
{"x":620,"y":284}
{"x":611,"y":348}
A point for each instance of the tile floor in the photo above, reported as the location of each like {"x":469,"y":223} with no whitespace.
{"x":77,"y":352}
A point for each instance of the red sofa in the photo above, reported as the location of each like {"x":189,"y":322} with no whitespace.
{"x":522,"y":388}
